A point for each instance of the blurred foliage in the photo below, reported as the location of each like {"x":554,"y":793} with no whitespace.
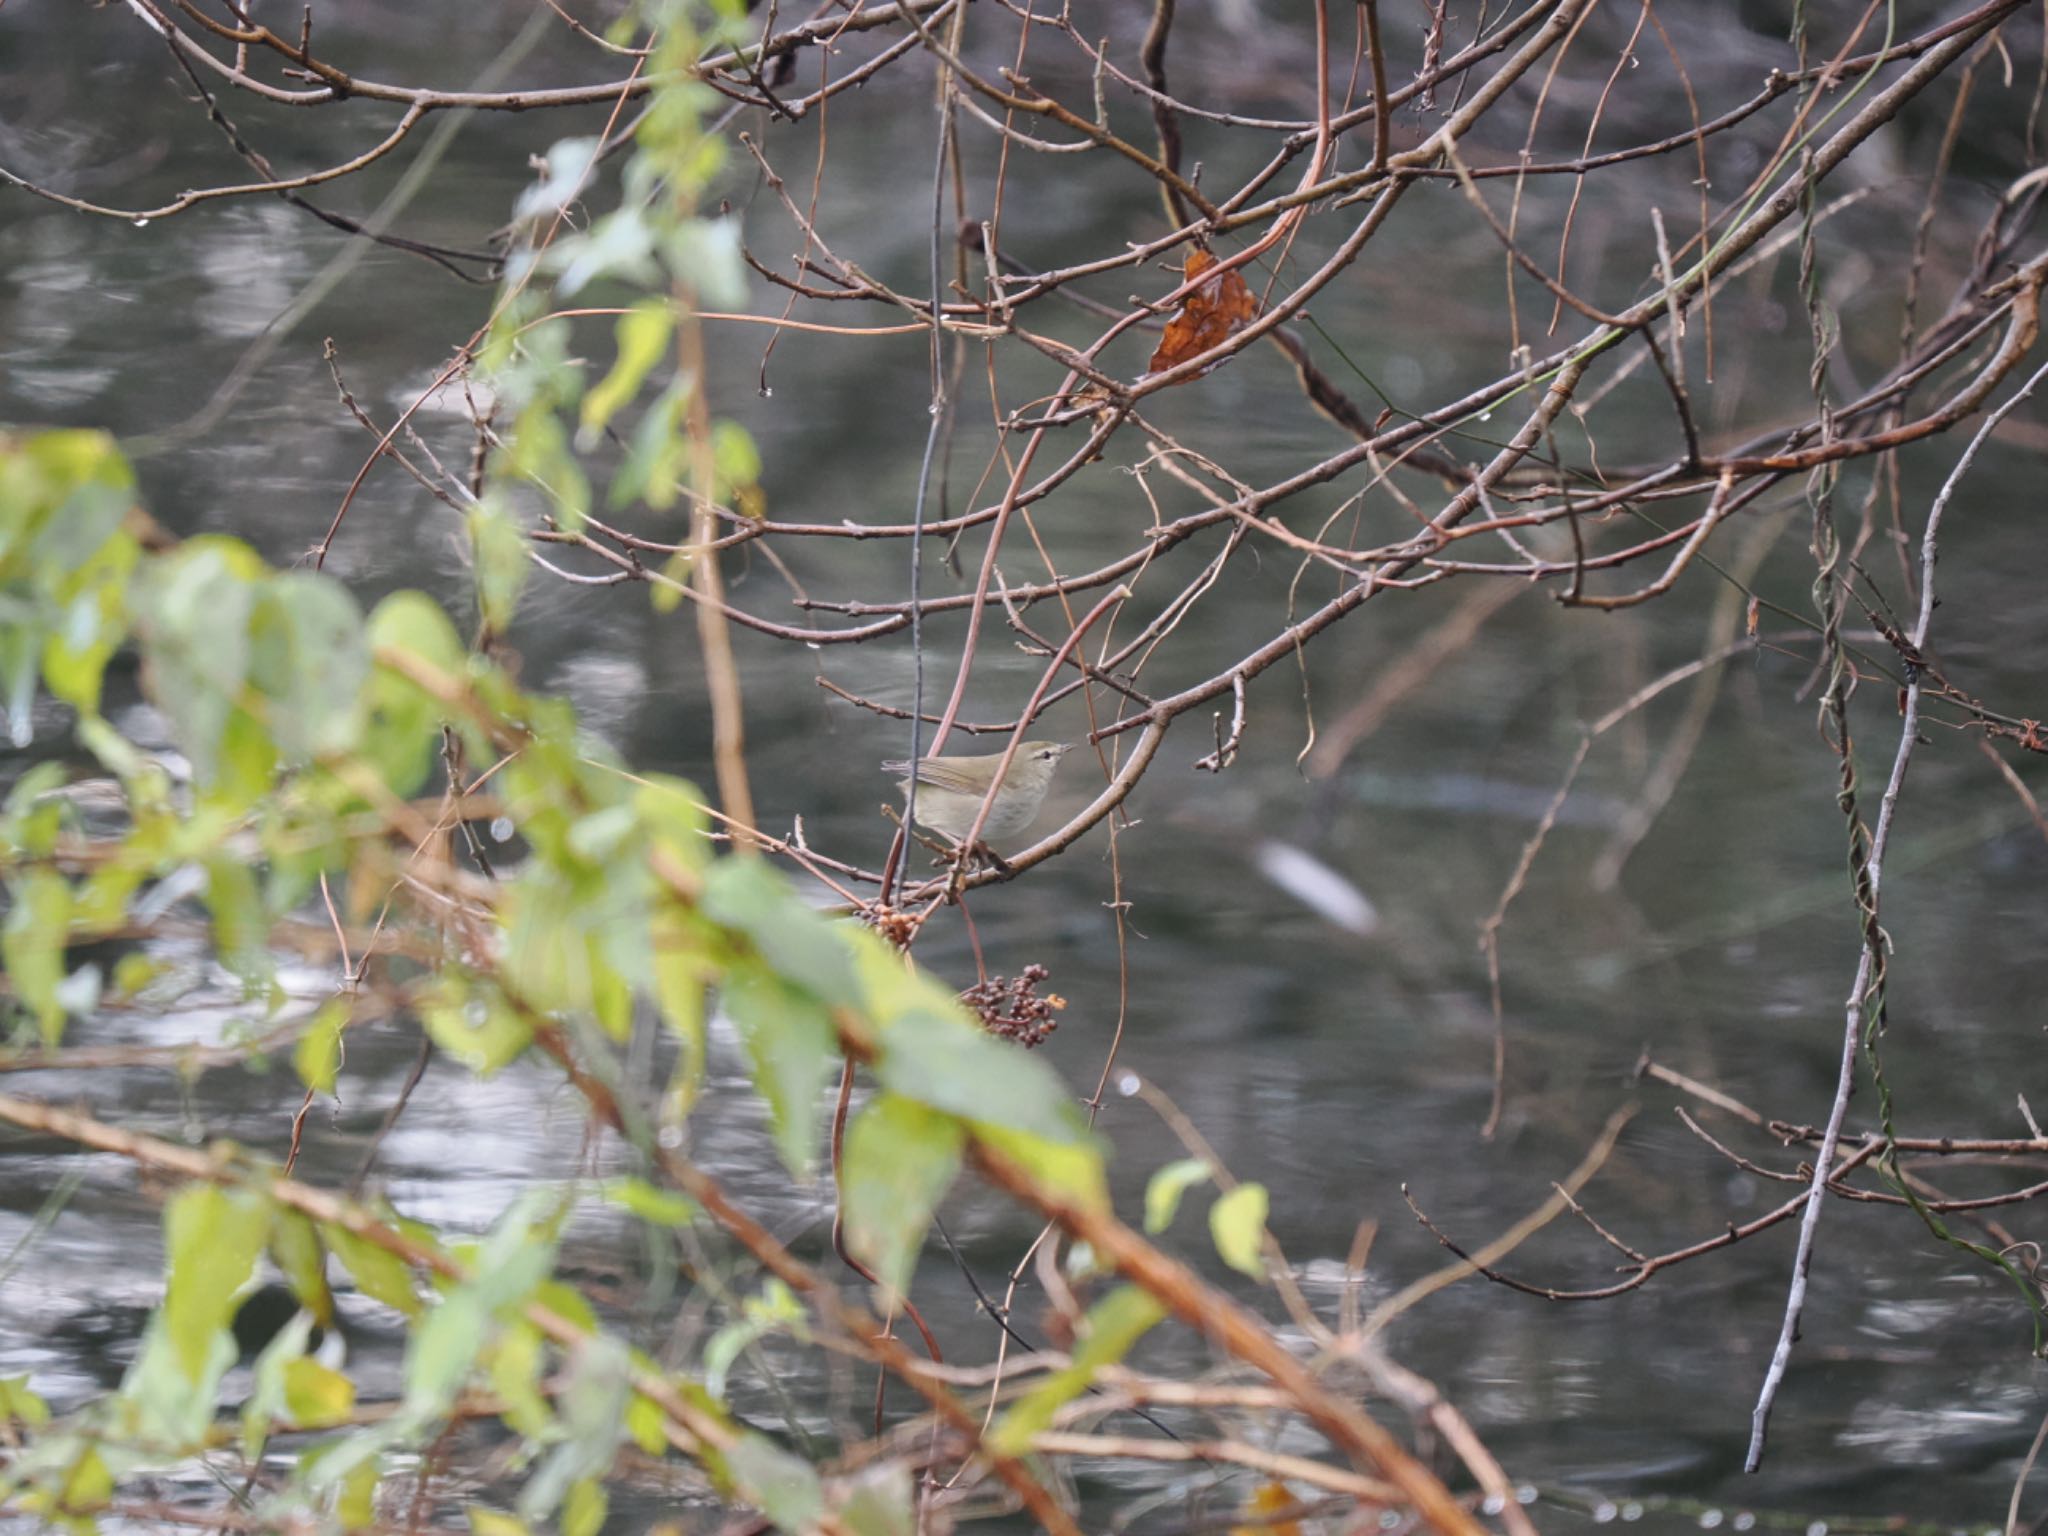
{"x":304,"y":727}
{"x":303,"y":731}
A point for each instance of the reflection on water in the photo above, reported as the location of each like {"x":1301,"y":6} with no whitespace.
{"x":1335,"y":1060}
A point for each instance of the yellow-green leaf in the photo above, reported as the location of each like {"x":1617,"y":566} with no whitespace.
{"x":379,"y":1273}
{"x":879,"y":1501}
{"x":316,"y":1396}
{"x":1112,"y":1326}
{"x":900,"y":1159}
{"x":643,"y":332}
{"x":790,"y":1043}
{"x":88,"y":1485}
{"x":474,"y":1025}
{"x":317,"y":1057}
{"x":514,"y":1362}
{"x":357,"y":1506}
{"x":655,"y":1206}
{"x":1237,"y":1223}
{"x":213,"y":1238}
{"x":21,"y":1405}
{"x":295,"y":1245}
{"x":1164,"y":1189}
{"x":498,"y":548}
{"x":584,"y":1509}
{"x":647,"y":1425}
{"x":1071,"y":1169}
{"x":32,"y":947}
{"x":783,"y":1487}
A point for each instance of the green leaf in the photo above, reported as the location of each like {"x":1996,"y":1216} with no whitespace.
{"x":195,"y":605}
{"x":295,"y":1248}
{"x":783,"y":1487}
{"x":900,"y":1160}
{"x":553,"y":921}
{"x":246,"y":762}
{"x":491,"y":1522}
{"x":474,"y":1024}
{"x":736,"y":462}
{"x":774,"y":1310}
{"x":1164,"y":1189}
{"x":88,"y":1486}
{"x":498,"y":546}
{"x":401,"y":720}
{"x":315,"y":1396}
{"x":92,"y":625}
{"x":605,"y":835}
{"x":671,"y":812}
{"x":21,"y":1406}
{"x":567,"y":1303}
{"x":952,"y":1065}
{"x":317,"y":1057}
{"x":241,"y":927}
{"x":706,"y":254}
{"x":65,"y":566}
{"x":18,"y":652}
{"x":681,"y":967}
{"x":879,"y":1502}
{"x":213,"y":1239}
{"x":643,"y":332}
{"x":32,"y":947}
{"x":726,"y":1346}
{"x":63,"y":494}
{"x":804,"y":947}
{"x":592,"y":1401}
{"x":378,"y":1273}
{"x":1072,"y":1170}
{"x":647,"y":1425}
{"x":657,"y":1207}
{"x":657,"y":457}
{"x":1237,"y":1223}
{"x":443,"y":1351}
{"x":890,"y":984}
{"x":790,"y":1043}
{"x":100,"y":905}
{"x":263,"y":1409}
{"x":37,"y":814}
{"x":515,"y":1360}
{"x":540,"y":454}
{"x":134,"y":971}
{"x":583,"y":1510}
{"x":518,"y":1253}
{"x":415,"y":625}
{"x":165,"y":1404}
{"x":1112,"y":1326}
{"x":310,"y":661}
{"x":356,"y":1508}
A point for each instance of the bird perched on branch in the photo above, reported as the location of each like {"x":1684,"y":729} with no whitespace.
{"x":950,"y":791}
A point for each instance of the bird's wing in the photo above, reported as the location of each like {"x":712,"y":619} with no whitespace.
{"x":940,"y":775}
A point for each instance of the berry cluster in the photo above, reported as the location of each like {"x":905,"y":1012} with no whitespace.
{"x":1014,"y":1009}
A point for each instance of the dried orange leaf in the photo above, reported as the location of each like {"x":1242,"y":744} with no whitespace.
{"x":1217,"y":310}
{"x":1266,"y":1502}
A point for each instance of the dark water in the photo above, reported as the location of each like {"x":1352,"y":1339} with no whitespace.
{"x":1334,"y":1067}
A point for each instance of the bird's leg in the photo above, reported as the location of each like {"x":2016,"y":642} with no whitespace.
{"x":965,"y":858}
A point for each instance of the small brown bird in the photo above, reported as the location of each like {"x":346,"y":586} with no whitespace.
{"x":950,"y":790}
